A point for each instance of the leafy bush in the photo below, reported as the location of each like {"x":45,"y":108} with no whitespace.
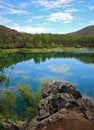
{"x":30,"y":99}
{"x":9,"y":103}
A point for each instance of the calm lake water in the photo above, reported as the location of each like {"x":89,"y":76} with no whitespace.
{"x":76,"y":67}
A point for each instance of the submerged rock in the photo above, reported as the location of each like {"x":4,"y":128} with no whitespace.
{"x":61,"y":101}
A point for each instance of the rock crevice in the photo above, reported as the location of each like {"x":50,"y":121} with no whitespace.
{"x":61,"y":101}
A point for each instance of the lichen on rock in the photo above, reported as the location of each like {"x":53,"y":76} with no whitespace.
{"x":61,"y":101}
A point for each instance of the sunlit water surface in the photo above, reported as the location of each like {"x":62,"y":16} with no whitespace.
{"x":34,"y":68}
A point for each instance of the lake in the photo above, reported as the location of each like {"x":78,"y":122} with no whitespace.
{"x":76,"y":67}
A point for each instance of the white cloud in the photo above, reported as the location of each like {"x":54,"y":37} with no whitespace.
{"x":19,"y":72}
{"x":29,"y":29}
{"x":61,"y":69}
{"x":81,"y":1}
{"x":37,"y":17}
{"x":52,"y":4}
{"x":24,"y":4}
{"x":4,"y":20}
{"x":15,"y":11}
{"x":92,"y":8}
{"x":91,"y":22}
{"x":15,"y":24}
{"x":60,"y":16}
{"x":71,"y":10}
{"x":1,"y":6}
{"x":30,"y":20}
{"x":85,"y":76}
{"x":5,"y":5}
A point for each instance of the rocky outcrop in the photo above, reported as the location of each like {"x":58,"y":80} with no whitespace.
{"x":61,"y":102}
{"x":7,"y":124}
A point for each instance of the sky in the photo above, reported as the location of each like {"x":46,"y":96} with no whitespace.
{"x":47,"y":16}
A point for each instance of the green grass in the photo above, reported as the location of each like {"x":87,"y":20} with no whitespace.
{"x":42,"y":49}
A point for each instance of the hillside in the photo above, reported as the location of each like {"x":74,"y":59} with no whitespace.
{"x":8,"y":33}
{"x":7,"y":30}
{"x":10,"y":38}
{"x":87,"y":31}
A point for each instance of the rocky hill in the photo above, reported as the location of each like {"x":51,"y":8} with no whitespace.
{"x":63,"y":108}
{"x":87,"y":31}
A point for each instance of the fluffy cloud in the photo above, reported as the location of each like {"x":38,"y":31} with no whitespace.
{"x":92,"y":8}
{"x":5,"y":5}
{"x":60,"y":16}
{"x":52,"y":3}
{"x":15,"y":11}
{"x":71,"y":10}
{"x":37,"y":17}
{"x":29,"y":29}
{"x":24,"y":4}
{"x":4,"y":20}
{"x":19,"y":72}
{"x":1,"y":6}
{"x":92,"y":22}
{"x":12,"y":9}
{"x":61,"y":69}
{"x":81,"y":1}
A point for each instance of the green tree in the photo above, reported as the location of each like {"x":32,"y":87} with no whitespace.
{"x":31,"y":99}
{"x":8,"y":104}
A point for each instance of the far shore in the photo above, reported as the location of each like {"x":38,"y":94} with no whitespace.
{"x":44,"y":49}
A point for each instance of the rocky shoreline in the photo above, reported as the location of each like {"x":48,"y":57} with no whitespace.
{"x":62,"y":107}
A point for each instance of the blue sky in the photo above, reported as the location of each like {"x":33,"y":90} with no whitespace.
{"x":47,"y":16}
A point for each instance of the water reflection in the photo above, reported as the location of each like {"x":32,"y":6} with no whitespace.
{"x":14,"y":58}
{"x":76,"y":67}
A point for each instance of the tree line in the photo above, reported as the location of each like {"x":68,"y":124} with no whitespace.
{"x":25,"y":40}
{"x":8,"y":58}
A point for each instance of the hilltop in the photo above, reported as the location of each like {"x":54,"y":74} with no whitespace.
{"x":8,"y":33}
{"x":8,"y":37}
{"x":87,"y":31}
{"x":7,"y":30}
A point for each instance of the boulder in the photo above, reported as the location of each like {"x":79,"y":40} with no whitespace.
{"x":7,"y":124}
{"x":55,"y":96}
{"x":62,"y":101}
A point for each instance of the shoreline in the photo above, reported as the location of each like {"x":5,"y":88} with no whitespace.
{"x":44,"y":49}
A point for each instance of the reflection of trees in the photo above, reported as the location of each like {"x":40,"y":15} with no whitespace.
{"x":3,"y":64}
{"x":4,"y":79}
{"x":14,"y":58}
{"x":9,"y":59}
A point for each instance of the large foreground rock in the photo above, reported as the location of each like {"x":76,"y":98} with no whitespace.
{"x":63,"y":108}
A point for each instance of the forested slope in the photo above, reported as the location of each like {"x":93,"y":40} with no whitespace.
{"x":87,"y":31}
{"x":10,"y":38}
